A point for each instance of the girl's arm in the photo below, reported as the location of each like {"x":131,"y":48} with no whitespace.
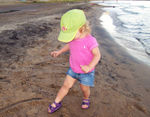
{"x":93,"y":63}
{"x":57,"y":53}
{"x":96,"y":58}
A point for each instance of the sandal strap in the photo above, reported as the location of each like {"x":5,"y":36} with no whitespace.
{"x":85,"y":102}
{"x":56,"y":105}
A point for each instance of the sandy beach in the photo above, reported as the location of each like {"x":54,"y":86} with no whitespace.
{"x":30,"y":78}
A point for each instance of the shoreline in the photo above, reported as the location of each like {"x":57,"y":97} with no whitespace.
{"x":113,"y":26}
{"x":30,"y":78}
{"x":125,"y":74}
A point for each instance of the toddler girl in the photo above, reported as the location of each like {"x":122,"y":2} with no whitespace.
{"x":84,"y":55}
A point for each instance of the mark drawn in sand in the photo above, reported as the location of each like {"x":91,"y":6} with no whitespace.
{"x":19,"y":102}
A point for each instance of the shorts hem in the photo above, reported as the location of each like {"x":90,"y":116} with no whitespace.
{"x":87,"y":85}
{"x":71,"y":76}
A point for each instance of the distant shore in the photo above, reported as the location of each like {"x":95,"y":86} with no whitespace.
{"x":30,"y":78}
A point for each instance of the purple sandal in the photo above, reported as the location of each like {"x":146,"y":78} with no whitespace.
{"x":86,"y":102}
{"x":53,"y":109}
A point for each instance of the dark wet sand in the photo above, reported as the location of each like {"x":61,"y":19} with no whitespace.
{"x":30,"y":78}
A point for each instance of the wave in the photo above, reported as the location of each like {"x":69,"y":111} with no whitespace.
{"x":129,"y":27}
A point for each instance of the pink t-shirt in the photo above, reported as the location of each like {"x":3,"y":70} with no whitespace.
{"x":81,"y":52}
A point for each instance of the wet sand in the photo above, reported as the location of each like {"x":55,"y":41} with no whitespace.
{"x":30,"y":78}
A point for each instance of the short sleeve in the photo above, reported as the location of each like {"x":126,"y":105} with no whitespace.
{"x":92,"y":43}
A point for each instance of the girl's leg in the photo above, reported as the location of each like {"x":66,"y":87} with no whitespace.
{"x":86,"y":93}
{"x":68,"y":83}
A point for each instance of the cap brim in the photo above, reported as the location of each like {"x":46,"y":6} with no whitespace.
{"x":66,"y":37}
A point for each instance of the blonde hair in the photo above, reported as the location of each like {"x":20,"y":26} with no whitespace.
{"x":85,"y":29}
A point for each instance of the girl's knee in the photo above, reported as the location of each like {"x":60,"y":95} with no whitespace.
{"x":67,"y":87}
{"x":68,"y":83}
{"x":84,"y":88}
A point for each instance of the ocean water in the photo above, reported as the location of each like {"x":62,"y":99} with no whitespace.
{"x":128,"y":22}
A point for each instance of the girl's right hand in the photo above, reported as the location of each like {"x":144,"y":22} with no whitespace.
{"x":55,"y":53}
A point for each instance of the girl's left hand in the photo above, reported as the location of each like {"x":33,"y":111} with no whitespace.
{"x":85,"y":68}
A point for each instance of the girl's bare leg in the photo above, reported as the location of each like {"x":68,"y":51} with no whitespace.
{"x":86,"y":93}
{"x":68,"y":83}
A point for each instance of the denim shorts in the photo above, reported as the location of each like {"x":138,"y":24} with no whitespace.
{"x":84,"y":78}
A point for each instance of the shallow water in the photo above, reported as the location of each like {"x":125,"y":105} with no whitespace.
{"x":129,"y":25}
